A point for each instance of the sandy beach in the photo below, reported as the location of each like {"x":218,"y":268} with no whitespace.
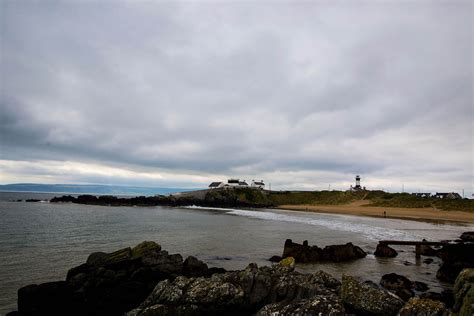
{"x":358,"y":208}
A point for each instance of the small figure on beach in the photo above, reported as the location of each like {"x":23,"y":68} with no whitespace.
{"x":384,"y":214}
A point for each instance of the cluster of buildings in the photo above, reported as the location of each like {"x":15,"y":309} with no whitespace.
{"x":448,"y":195}
{"x":236,"y":183}
{"x":438,"y":195}
{"x":259,"y":184}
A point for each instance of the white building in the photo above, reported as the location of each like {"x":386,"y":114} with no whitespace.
{"x":237,"y":183}
{"x":258,"y":184}
{"x":216,"y":185}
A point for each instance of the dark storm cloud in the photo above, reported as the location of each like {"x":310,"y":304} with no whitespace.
{"x":242,"y":88}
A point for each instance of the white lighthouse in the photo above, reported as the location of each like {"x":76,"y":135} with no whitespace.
{"x":357,"y":186}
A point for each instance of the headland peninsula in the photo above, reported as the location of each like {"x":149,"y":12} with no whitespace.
{"x":359,"y":203}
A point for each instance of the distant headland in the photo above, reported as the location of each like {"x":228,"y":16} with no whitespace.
{"x":352,"y":202}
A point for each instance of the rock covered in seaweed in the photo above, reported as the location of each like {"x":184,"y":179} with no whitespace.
{"x":423,"y":307}
{"x":364,"y":299}
{"x":328,"y":305}
{"x":239,"y":292}
{"x":109,"y":283}
{"x":464,"y":293}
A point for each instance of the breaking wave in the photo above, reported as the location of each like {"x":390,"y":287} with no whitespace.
{"x":331,"y":221}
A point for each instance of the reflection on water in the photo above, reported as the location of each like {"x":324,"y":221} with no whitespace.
{"x":39,"y":242}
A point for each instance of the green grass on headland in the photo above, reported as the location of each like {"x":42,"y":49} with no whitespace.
{"x":275,"y":198}
{"x":375,"y":198}
{"x":314,"y":197}
{"x":410,"y":201}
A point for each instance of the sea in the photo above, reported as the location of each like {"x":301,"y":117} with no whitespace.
{"x":41,"y":241}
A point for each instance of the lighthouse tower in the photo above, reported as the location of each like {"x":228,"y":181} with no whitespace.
{"x":357,"y":186}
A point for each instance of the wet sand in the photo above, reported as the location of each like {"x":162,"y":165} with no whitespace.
{"x":358,"y":208}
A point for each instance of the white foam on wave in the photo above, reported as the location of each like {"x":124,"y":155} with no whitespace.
{"x":334,"y":223}
{"x":337,"y":223}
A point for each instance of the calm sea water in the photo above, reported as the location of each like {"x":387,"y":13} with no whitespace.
{"x":39,"y":242}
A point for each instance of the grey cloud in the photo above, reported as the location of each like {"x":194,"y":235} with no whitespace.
{"x":220,"y":88}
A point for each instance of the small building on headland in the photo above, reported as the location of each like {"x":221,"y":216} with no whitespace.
{"x":258,"y":184}
{"x":448,"y":195}
{"x":237,"y":183}
{"x":422,"y":195}
{"x":216,"y":185}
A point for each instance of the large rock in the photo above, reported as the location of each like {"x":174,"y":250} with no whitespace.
{"x":145,"y":248}
{"x":52,"y":298}
{"x":456,"y":257}
{"x":338,"y":253}
{"x":398,"y":284}
{"x":423,"y":307}
{"x":193,"y":267}
{"x":364,"y":299}
{"x":236,"y":293}
{"x":385,"y":251}
{"x":446,"y":297}
{"x":328,"y":305}
{"x":464,"y":293}
{"x":275,"y":259}
{"x":426,"y":250}
{"x":109,"y":283}
{"x":335,"y":253}
{"x":467,"y":237}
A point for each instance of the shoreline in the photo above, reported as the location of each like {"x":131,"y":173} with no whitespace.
{"x":358,"y":208}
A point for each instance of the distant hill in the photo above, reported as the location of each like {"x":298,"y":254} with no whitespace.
{"x":88,"y":188}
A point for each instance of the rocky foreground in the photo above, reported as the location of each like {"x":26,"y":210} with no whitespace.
{"x":147,"y":281}
{"x":109,"y":283}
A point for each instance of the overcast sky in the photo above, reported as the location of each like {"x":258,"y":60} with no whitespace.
{"x":301,"y":95}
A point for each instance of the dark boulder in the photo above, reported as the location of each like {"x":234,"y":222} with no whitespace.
{"x":52,"y":298}
{"x":398,"y":284}
{"x":303,"y":253}
{"x":426,"y":250}
{"x":63,"y":199}
{"x":385,"y":251}
{"x":193,"y":267}
{"x":467,"y":237}
{"x":275,"y":259}
{"x":456,"y":257}
{"x":338,"y":253}
{"x":87,"y":199}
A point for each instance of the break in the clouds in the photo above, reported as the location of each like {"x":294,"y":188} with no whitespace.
{"x":301,"y":94}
